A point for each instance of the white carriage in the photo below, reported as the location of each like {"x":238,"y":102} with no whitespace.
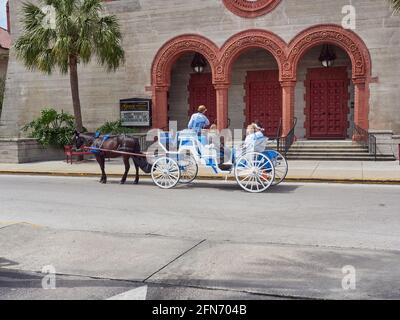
{"x":182,"y":154}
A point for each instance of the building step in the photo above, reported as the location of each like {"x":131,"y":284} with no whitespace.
{"x":328,"y":145}
{"x":348,"y":150}
{"x":342,"y":158}
{"x":326,"y":142}
{"x":322,"y":154}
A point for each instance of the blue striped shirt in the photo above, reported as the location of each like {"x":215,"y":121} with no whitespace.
{"x":198,"y":121}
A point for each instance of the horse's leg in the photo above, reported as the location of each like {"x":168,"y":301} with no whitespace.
{"x":101,"y":160}
{"x":98,"y":159}
{"x":127,"y":167}
{"x":137,"y":172}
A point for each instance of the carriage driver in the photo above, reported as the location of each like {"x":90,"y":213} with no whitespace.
{"x":199,"y":121}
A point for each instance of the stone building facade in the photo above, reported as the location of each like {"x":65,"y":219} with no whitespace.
{"x":4,"y":52}
{"x":262,"y":64}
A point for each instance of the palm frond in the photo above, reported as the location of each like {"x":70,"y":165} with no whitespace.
{"x":395,"y":5}
{"x":80,"y":31}
{"x":108,"y":43}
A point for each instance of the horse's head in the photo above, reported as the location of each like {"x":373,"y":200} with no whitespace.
{"x":80,"y":140}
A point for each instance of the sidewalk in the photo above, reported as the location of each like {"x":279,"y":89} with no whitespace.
{"x":324,"y":171}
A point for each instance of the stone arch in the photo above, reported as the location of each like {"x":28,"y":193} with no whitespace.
{"x":240,"y":42}
{"x":176,"y":47}
{"x":356,"y":49}
{"x":161,"y":70}
{"x":251,"y":9}
{"x":332,"y":34}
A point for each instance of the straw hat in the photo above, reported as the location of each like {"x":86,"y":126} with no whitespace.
{"x":202,"y":109}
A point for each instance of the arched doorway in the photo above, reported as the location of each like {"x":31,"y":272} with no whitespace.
{"x":357,"y":53}
{"x":251,"y":66}
{"x":162,"y":66}
{"x":255,"y":93}
{"x":287,"y":56}
{"x":324,"y":104}
{"x":188,"y":90}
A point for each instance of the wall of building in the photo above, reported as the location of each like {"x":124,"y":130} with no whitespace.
{"x":147,"y":25}
{"x":3,"y":62}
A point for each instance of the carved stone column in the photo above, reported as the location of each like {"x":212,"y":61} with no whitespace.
{"x":160,"y":107}
{"x":288,"y":88}
{"x":222,"y":105}
{"x":361,"y":104}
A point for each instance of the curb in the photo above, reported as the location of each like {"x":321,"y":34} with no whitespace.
{"x":216,"y":178}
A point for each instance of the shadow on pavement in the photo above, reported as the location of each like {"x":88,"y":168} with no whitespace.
{"x":229,"y":186}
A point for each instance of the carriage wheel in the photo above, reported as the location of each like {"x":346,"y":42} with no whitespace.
{"x":254,"y":172}
{"x":165,"y":173}
{"x":189,"y":168}
{"x":281,"y":168}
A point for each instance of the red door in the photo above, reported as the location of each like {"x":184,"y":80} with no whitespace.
{"x":327,"y":99}
{"x":202,"y":92}
{"x":264,"y":100}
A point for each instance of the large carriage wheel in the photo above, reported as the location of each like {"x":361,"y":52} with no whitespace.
{"x":165,"y":173}
{"x":281,"y":167}
{"x":254,"y":172}
{"x":189,"y":168}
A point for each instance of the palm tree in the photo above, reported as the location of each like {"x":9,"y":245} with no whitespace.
{"x":60,"y":34}
{"x":395,"y":5}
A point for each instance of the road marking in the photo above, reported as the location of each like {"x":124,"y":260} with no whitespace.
{"x":135,"y":294}
{"x":4,"y":224}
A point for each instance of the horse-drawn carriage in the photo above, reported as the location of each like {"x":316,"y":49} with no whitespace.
{"x":183,"y":153}
{"x":176,"y":159}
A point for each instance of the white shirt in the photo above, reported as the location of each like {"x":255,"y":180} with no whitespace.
{"x":255,"y":142}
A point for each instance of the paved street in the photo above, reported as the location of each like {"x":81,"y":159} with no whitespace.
{"x":312,"y":171}
{"x":206,"y":240}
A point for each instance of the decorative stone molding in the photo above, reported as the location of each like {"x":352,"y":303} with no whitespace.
{"x":287,"y":56}
{"x":246,"y":40}
{"x":333,"y":34}
{"x":251,"y":8}
{"x":174,"y":48}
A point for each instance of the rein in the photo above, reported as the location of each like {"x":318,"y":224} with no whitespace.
{"x":118,"y":152}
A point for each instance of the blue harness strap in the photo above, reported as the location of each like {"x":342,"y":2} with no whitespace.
{"x":94,"y":146}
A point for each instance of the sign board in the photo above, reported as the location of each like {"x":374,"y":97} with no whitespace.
{"x":135,"y":112}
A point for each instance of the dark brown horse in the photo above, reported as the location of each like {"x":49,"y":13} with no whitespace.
{"x":122,"y":143}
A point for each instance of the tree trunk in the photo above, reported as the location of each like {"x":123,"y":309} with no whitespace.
{"x":73,"y":75}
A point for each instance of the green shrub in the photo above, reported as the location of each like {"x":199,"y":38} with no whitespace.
{"x":115,"y":127}
{"x":52,"y":128}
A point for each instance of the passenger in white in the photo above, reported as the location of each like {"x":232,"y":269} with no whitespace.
{"x":255,"y":140}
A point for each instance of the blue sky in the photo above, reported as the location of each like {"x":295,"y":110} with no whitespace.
{"x":3,"y":15}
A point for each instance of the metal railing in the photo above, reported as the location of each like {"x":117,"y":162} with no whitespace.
{"x":144,"y":143}
{"x":285,"y":143}
{"x":366,"y":139}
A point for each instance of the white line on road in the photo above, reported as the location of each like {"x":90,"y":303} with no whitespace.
{"x":135,"y":294}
